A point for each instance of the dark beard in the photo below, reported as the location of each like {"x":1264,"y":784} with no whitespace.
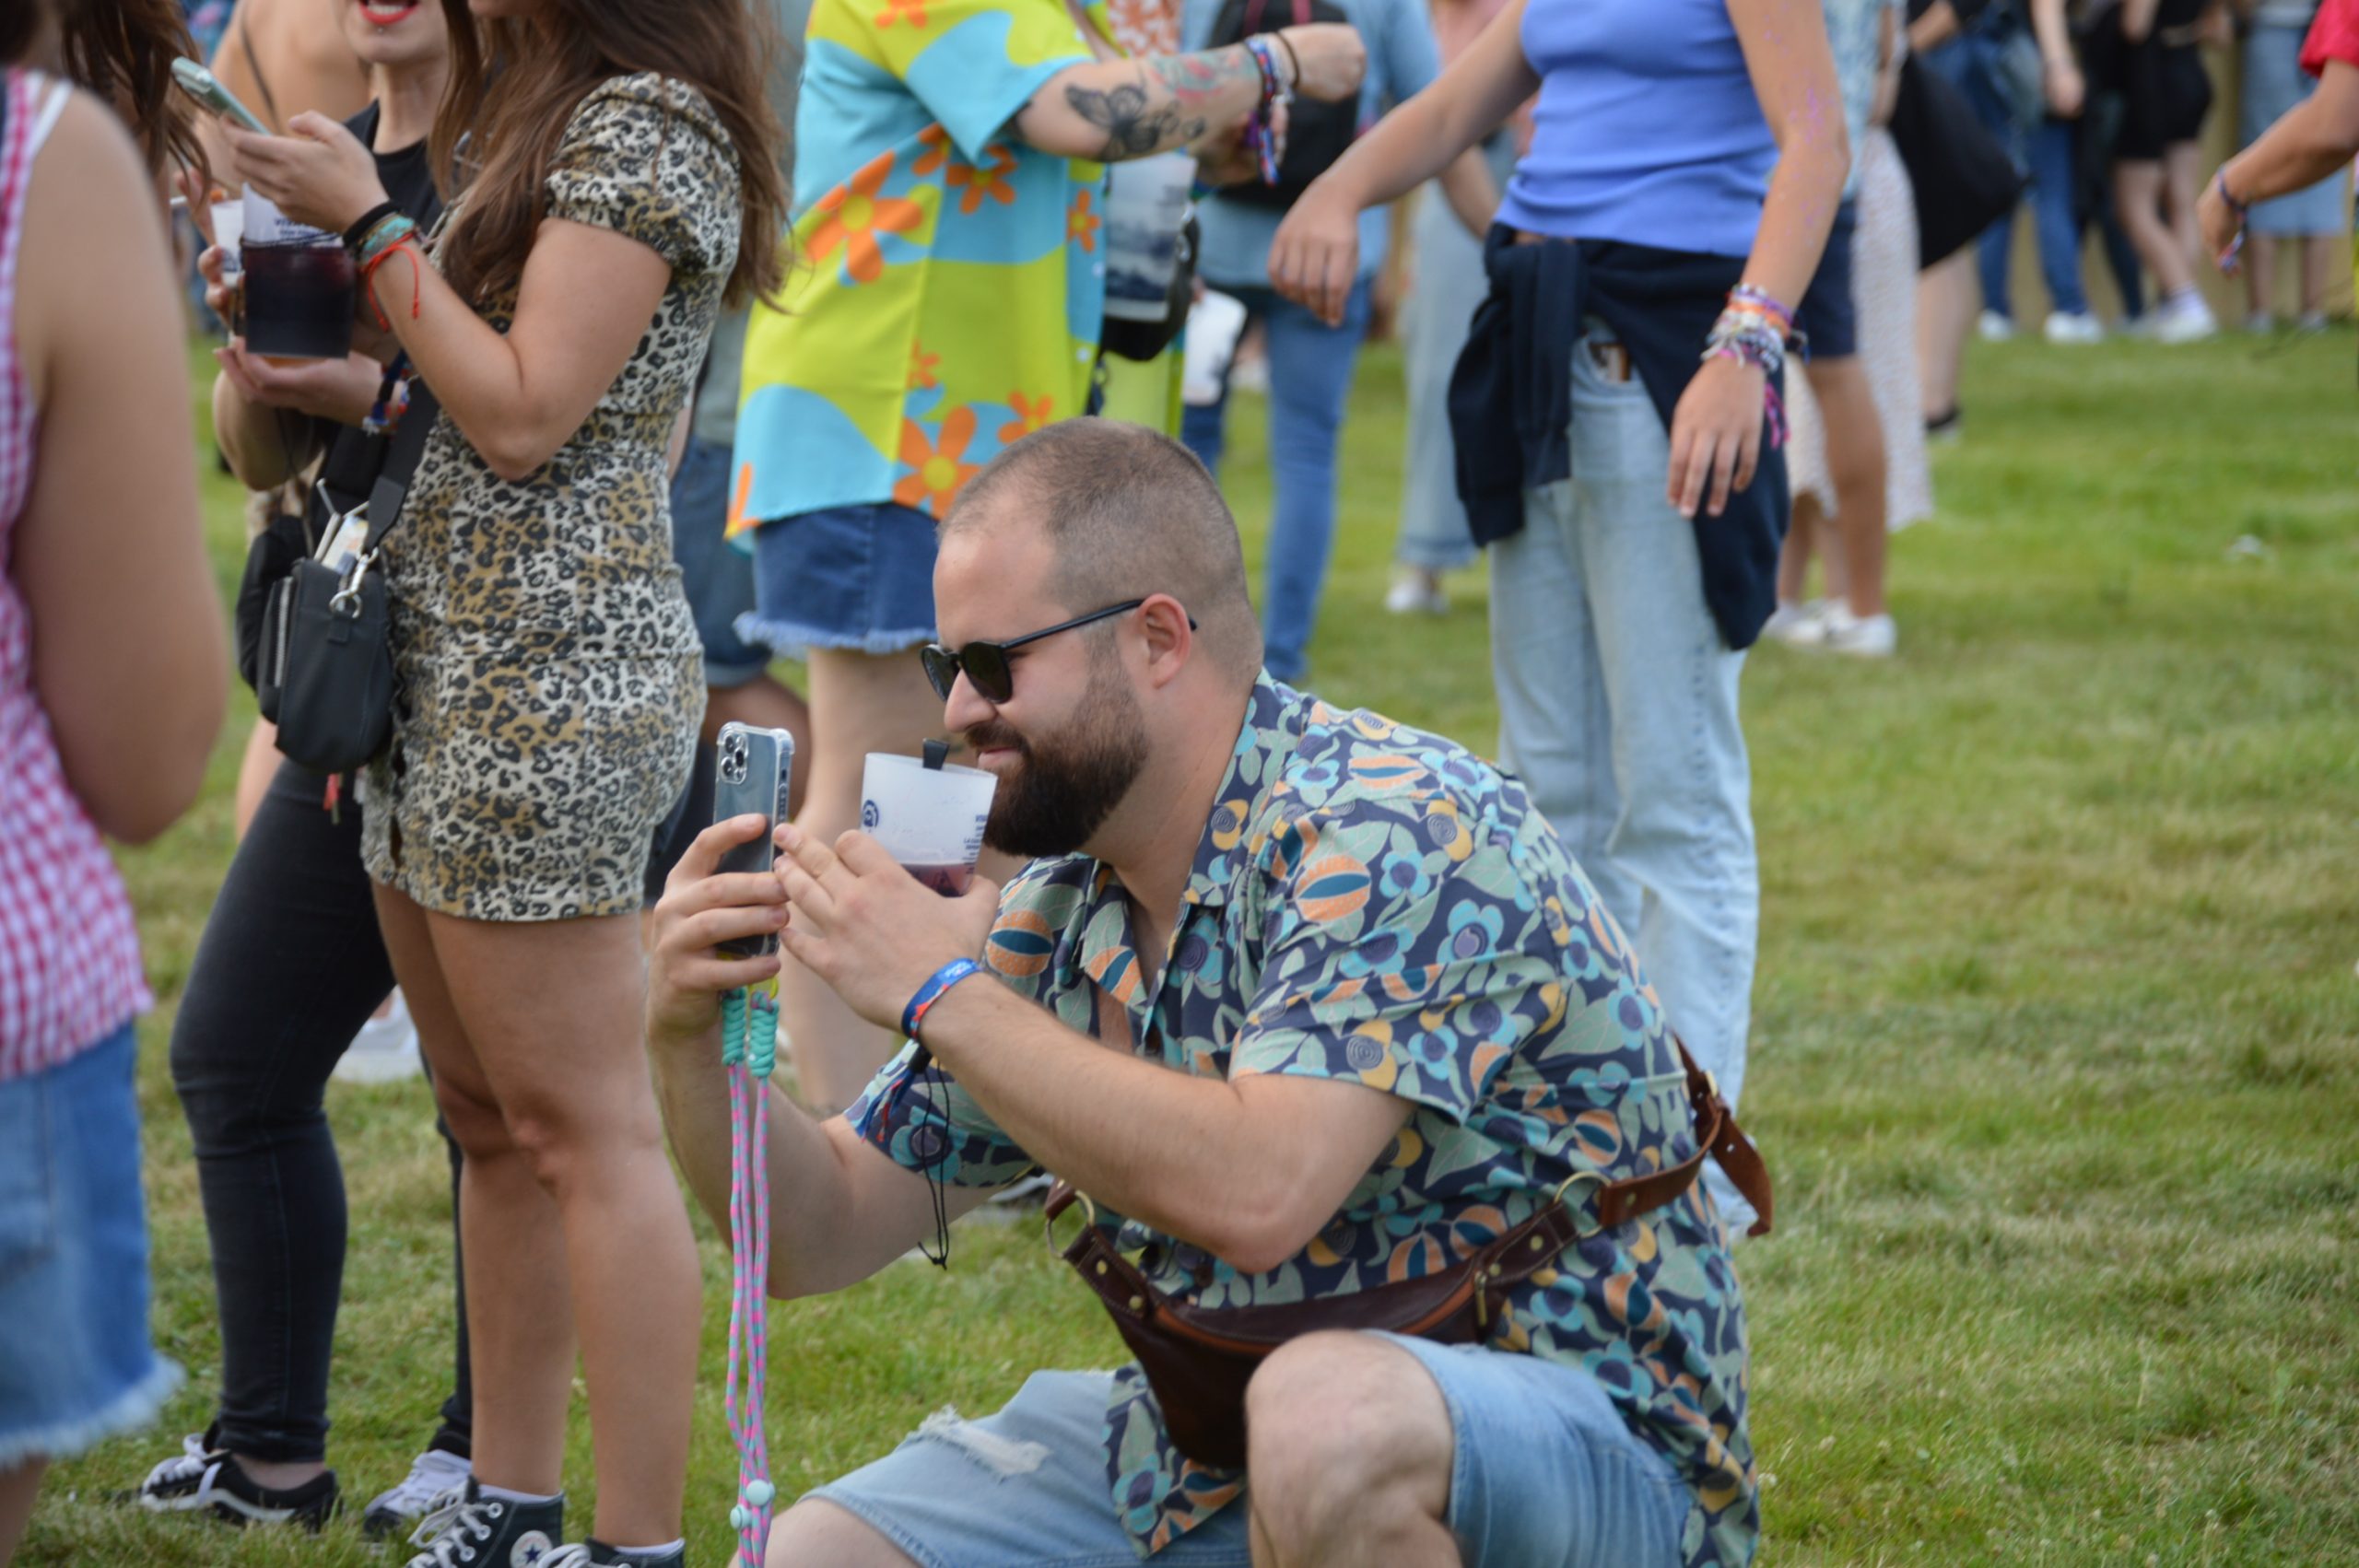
{"x":1065,"y":789}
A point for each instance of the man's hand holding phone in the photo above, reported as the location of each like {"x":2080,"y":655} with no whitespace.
{"x":701,"y":907}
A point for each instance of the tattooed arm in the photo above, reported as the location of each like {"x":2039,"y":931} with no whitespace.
{"x":1117,"y":109}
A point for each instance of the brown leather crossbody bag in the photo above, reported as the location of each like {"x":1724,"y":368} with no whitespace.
{"x":1198,"y":1360}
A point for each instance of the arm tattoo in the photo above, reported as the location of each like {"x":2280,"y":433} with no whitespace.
{"x":1169,"y":105}
{"x":1134,"y":123}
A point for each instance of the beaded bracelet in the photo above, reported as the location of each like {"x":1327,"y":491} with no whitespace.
{"x":942,"y":979}
{"x":1260,"y":135}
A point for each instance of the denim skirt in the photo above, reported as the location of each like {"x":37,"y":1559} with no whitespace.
{"x":857,"y":578}
{"x":76,"y":1363}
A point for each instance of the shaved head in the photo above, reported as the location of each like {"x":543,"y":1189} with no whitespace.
{"x":1126,"y":512}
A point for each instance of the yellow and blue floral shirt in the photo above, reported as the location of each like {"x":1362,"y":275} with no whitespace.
{"x":945,"y":281}
{"x":1375,"y":904}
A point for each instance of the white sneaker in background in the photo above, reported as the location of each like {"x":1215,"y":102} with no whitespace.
{"x":2260,"y":323}
{"x":1416,"y":592}
{"x":1797,"y":626}
{"x":2072,"y":327}
{"x":2185,"y":319}
{"x":1994,"y":327}
{"x":2310,"y":322}
{"x":1863,"y":637}
{"x":385,"y":1051}
{"x":432,"y":1476}
{"x":2140,"y":326}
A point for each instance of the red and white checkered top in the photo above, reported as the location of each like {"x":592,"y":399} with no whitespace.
{"x":69,"y":953}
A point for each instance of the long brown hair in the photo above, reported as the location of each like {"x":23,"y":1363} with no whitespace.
{"x":123,"y":50}
{"x":514,"y":83}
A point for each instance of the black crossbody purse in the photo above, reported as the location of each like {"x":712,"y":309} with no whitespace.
{"x":324,"y":660}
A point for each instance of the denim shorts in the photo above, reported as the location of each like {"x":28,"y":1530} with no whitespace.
{"x":76,"y":1363}
{"x":857,"y":578}
{"x":717,"y":576}
{"x":1545,"y":1473}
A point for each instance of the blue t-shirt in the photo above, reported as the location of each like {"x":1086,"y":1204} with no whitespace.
{"x":1401,"y":62}
{"x":1646,"y":129}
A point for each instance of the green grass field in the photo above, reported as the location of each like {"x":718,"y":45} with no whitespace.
{"x":2053,"y":1049}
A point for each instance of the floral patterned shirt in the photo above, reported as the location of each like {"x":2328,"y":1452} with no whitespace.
{"x":945,"y":280}
{"x":1375,"y":904}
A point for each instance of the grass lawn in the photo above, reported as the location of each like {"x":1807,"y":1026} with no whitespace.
{"x":2053,"y":1049}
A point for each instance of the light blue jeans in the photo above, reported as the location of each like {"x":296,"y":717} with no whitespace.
{"x":1618,"y":708}
{"x":1446,"y":286}
{"x":1310,"y":376}
{"x":1545,"y":1473}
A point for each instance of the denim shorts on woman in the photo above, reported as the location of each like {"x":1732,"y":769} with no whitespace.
{"x":857,"y":578}
{"x":76,"y":1363}
{"x":1544,"y":1475}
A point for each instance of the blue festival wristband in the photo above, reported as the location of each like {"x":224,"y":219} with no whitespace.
{"x":941,"y":981}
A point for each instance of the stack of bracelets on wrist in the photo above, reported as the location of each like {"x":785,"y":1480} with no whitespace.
{"x":2226,"y":260}
{"x":1753,"y":328}
{"x":382,"y":231}
{"x":1260,"y":135}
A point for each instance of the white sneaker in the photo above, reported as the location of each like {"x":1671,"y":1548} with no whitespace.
{"x":2260,"y":323}
{"x":1870,"y":636}
{"x":1994,"y":327}
{"x":1797,"y":626}
{"x":2185,"y":320}
{"x":433,"y":1474}
{"x":2310,"y":322}
{"x":2072,"y":327}
{"x":384,"y":1051}
{"x":1416,"y":592}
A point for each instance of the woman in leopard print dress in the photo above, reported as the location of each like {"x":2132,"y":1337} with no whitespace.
{"x":617,"y":182}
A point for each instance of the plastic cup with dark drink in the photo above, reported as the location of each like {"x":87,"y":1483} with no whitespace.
{"x":299,"y":297}
{"x":930,"y":819}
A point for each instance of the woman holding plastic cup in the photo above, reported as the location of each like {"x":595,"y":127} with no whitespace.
{"x":618,"y":182}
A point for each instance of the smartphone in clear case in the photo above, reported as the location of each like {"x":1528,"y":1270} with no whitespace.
{"x":752,"y":768}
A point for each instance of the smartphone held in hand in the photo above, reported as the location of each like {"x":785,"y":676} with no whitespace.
{"x":752,"y":768}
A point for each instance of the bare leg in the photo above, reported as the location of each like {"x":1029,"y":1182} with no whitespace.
{"x":2318,"y":260}
{"x":818,"y":1531}
{"x":18,"y":1488}
{"x":256,"y":771}
{"x":1946,"y":294}
{"x":2182,"y":181}
{"x":1793,"y":557}
{"x":2261,"y":272}
{"x":1350,"y":1447}
{"x":2138,"y":198}
{"x":554,"y":1010}
{"x":771,"y":703}
{"x":860,"y":703}
{"x":519,"y":1314}
{"x":1855,"y":461}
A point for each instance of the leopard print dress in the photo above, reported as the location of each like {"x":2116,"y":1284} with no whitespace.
{"x":550,"y":682}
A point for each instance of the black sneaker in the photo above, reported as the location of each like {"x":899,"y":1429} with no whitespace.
{"x":598,"y":1554}
{"x":206,"y":1480}
{"x":470,"y":1530}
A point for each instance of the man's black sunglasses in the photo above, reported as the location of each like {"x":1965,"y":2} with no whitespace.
{"x":986,"y":663}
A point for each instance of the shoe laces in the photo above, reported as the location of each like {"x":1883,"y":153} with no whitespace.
{"x":190,"y":1464}
{"x":451,"y":1531}
{"x":433,"y":1477}
{"x":574,"y":1556}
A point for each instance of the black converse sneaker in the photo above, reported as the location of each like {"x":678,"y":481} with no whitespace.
{"x":470,"y":1530}
{"x":598,"y":1554}
{"x":206,"y":1479}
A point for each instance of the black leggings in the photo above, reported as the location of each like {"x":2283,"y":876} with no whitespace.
{"x":291,"y":964}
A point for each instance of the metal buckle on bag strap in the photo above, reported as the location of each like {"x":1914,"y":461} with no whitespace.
{"x":345,"y":600}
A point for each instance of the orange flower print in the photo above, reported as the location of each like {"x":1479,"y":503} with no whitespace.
{"x":1030,"y":415}
{"x":852,"y":216}
{"x":1081,"y":223}
{"x":910,"y":11}
{"x":936,"y":473}
{"x":936,"y":142}
{"x":922,"y":364}
{"x":1145,"y":27}
{"x":979,"y":182}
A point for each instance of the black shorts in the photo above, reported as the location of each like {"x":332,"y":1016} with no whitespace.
{"x":1827,"y":317}
{"x":2166,"y":93}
